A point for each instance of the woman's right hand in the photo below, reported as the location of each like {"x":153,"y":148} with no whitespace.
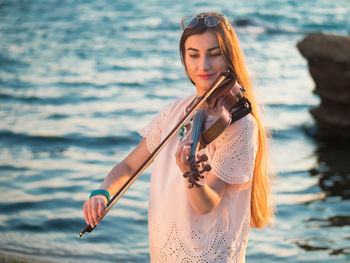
{"x":93,"y":209}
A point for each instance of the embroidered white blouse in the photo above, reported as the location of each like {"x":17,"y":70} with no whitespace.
{"x":176,"y":232}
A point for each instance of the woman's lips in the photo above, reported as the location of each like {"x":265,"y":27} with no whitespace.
{"x":205,"y":76}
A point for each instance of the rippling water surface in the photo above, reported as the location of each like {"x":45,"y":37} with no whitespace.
{"x":79,"y":78}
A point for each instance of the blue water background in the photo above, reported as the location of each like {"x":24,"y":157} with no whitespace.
{"x":79,"y":78}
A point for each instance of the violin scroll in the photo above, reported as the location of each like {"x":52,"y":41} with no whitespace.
{"x":194,"y":175}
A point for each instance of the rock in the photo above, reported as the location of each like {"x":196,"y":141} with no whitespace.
{"x":243,"y":22}
{"x":328,"y":57}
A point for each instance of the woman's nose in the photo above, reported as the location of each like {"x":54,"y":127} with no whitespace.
{"x":205,"y":63}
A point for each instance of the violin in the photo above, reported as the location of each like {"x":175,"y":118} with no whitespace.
{"x":224,"y":107}
{"x":221,"y":89}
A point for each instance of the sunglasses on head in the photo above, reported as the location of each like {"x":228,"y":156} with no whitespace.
{"x":209,"y":20}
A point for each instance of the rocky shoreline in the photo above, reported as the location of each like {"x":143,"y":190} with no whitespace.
{"x":328,"y":58}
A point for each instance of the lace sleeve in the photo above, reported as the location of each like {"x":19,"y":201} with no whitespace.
{"x":154,"y":130}
{"x":234,"y":157}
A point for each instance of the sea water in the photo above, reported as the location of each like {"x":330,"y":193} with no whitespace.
{"x":78,"y":79}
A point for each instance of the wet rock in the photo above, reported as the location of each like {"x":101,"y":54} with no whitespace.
{"x":243,"y":22}
{"x":328,"y":57}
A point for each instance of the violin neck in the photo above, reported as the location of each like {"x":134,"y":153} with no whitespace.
{"x":197,"y":125}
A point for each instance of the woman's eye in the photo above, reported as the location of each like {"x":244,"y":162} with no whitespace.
{"x":194,"y":55}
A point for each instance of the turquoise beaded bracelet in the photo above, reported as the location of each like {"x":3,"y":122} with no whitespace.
{"x":101,"y":192}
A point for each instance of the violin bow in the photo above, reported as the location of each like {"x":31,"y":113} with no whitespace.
{"x":221,"y":78}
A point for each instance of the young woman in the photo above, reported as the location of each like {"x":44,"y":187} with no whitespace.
{"x":209,"y":223}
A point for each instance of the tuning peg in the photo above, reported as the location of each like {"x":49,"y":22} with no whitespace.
{"x":203,"y":158}
{"x":199,"y":177}
{"x":187,"y":174}
{"x":207,"y":167}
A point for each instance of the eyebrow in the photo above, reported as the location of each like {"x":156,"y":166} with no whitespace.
{"x":208,"y":50}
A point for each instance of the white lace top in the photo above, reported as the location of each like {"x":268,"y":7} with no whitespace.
{"x":177,"y":233}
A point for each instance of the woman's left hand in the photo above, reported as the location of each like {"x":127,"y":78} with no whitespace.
{"x":181,"y":155}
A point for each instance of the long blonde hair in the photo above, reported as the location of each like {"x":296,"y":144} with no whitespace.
{"x":261,"y":197}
